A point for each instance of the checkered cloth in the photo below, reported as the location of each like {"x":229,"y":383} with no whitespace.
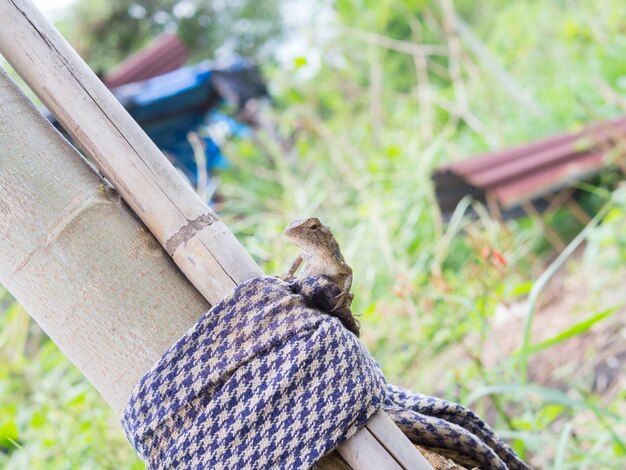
{"x":267,"y":379}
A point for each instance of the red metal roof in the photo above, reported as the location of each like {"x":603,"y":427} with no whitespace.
{"x":166,"y":53}
{"x":530,"y":171}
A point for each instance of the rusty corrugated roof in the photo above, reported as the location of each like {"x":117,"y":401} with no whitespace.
{"x":166,"y":53}
{"x":531,"y":171}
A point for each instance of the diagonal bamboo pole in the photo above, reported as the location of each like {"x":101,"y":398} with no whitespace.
{"x":200,"y":244}
{"x":191,"y":233}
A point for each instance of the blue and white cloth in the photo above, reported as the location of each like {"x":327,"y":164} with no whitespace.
{"x":269,"y":379}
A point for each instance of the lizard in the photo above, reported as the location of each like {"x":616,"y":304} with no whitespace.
{"x":321,"y":255}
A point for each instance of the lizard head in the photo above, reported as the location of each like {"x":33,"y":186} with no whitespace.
{"x":309,"y":234}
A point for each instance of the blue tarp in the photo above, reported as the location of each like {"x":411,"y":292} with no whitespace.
{"x":169,"y":106}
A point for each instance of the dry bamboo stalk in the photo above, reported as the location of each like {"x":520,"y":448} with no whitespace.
{"x":75,"y":256}
{"x":394,"y":44}
{"x":399,"y":445}
{"x":363,"y":451}
{"x":201,"y":245}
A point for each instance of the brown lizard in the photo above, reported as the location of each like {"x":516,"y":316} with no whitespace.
{"x":321,"y":256}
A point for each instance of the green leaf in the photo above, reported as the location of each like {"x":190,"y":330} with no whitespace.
{"x":559,"y":457}
{"x":300,"y":62}
{"x":522,"y":392}
{"x":8,"y":434}
{"x":575,"y":330}
{"x":522,"y":289}
{"x":37,"y":420}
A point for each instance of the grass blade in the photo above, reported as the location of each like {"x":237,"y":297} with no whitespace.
{"x":575,"y":330}
{"x":559,"y":457}
{"x":542,"y":281}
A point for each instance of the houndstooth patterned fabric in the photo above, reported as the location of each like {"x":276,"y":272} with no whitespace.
{"x":449,"y":429}
{"x":267,"y":379}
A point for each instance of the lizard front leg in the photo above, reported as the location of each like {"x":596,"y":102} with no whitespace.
{"x":294,"y":267}
{"x":345,"y":298}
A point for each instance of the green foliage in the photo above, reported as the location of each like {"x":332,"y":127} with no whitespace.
{"x":105,"y":32}
{"x":50,"y":415}
{"x":574,"y":330}
{"x":362,"y":159}
{"x":608,"y":242}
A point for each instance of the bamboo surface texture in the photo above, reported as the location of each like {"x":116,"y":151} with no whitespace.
{"x":73,"y":253}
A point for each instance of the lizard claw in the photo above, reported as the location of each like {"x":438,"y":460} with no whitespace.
{"x":285,"y":277}
{"x":343,"y":300}
{"x":343,"y":313}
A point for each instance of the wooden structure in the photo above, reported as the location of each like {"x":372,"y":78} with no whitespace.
{"x":535,"y":178}
{"x":97,"y":279}
{"x":167,"y":53}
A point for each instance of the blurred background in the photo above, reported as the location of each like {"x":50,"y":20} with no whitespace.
{"x":468,"y":156}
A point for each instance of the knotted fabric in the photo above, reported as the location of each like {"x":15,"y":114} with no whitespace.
{"x":269,"y":379}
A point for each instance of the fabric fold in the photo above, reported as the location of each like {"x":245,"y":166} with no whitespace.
{"x":262,"y":380}
{"x":269,"y":378}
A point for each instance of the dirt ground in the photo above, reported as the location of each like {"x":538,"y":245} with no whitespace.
{"x":596,"y":359}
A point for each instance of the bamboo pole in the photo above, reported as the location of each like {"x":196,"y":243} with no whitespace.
{"x":200,"y":244}
{"x":191,"y":233}
{"x":75,"y":256}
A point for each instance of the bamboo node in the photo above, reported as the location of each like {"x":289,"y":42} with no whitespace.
{"x":189,"y":230}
